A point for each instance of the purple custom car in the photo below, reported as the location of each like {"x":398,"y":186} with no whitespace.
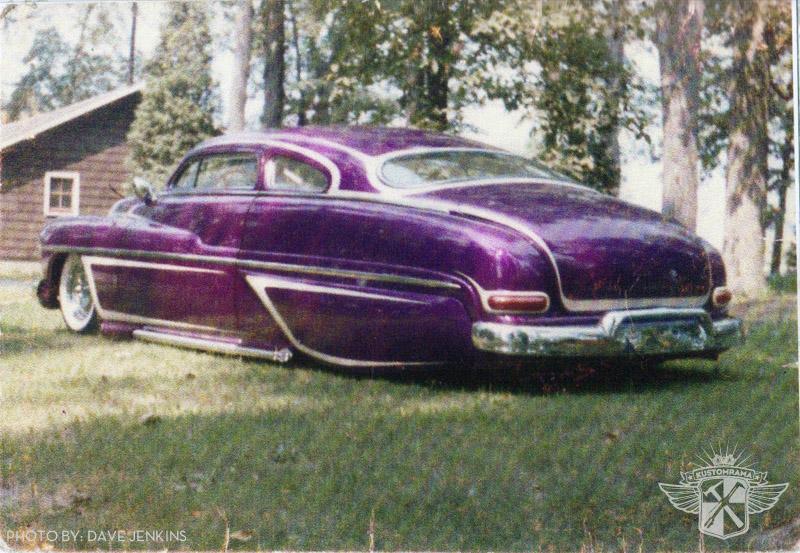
{"x":381,"y":247}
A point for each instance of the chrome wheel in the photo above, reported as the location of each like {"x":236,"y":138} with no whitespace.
{"x":75,"y":296}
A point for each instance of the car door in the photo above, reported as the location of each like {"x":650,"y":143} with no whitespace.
{"x":179,"y":269}
{"x":325,"y":274}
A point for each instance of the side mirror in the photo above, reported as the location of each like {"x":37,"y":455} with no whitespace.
{"x":143,"y":190}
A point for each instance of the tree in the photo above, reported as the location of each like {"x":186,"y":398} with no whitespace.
{"x":615,"y":38}
{"x":747,"y":167}
{"x":716,"y":109}
{"x":778,"y":35}
{"x":243,"y":33}
{"x":563,"y":63}
{"x":178,"y":102}
{"x":578,"y":116}
{"x":272,"y":18}
{"x":132,"y":52}
{"x":61,"y":72}
{"x":679,"y":27}
{"x":40,"y":89}
{"x":329,"y":84}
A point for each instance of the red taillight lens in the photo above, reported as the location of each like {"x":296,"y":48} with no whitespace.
{"x":509,"y":302}
{"x":721,"y":296}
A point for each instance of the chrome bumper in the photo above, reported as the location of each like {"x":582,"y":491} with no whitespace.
{"x":636,"y":332}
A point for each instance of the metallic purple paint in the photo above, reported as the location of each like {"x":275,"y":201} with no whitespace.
{"x":605,"y":248}
{"x":364,"y":275}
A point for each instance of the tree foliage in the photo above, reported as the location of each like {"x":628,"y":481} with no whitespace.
{"x":178,"y":102}
{"x":60,"y":73}
{"x":424,"y":61}
{"x":563,"y":64}
{"x":579,"y":108}
{"x":328,"y":81}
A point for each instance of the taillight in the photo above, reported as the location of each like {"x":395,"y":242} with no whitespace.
{"x":520,"y":302}
{"x":721,"y":296}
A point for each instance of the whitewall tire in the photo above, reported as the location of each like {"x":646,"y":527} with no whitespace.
{"x":75,"y":297}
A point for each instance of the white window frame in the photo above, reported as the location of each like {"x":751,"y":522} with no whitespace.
{"x":74,"y":194}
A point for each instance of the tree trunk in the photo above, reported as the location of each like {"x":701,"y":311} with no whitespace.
{"x":615,"y":39}
{"x":429,"y":91}
{"x":302,"y":120}
{"x":75,"y":76}
{"x":243,"y":29}
{"x":679,"y":27}
{"x":273,"y":63}
{"x":132,"y":54}
{"x":783,"y":186}
{"x":746,"y":177}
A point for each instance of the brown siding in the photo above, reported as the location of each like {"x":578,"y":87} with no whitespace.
{"x":93,"y":145}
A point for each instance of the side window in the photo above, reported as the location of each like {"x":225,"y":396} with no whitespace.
{"x":291,"y":175}
{"x":228,"y":171}
{"x":187,"y":177}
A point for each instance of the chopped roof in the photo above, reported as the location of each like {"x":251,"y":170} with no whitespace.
{"x":370,"y":141}
{"x":27,"y":129}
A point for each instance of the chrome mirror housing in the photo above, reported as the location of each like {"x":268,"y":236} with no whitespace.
{"x":143,"y":190}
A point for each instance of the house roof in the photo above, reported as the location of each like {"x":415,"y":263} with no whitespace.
{"x":27,"y":129}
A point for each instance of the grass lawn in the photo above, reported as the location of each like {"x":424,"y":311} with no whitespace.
{"x":101,"y":435}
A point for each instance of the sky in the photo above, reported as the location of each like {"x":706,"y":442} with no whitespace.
{"x":641,"y":175}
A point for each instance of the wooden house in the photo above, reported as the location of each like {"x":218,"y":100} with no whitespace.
{"x":65,"y":162}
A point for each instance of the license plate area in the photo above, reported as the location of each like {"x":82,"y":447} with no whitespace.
{"x":660,"y":331}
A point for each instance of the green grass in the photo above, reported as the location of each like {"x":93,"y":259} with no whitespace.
{"x":783,"y":283}
{"x":20,"y":270}
{"x":98,"y":434}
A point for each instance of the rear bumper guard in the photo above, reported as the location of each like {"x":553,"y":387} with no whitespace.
{"x":662,"y":331}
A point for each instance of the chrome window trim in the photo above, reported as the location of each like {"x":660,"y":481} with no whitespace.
{"x":259,"y":285}
{"x":380,"y":161}
{"x":270,"y":142}
{"x":335,"y":177}
{"x":199,"y":157}
{"x":371,"y":163}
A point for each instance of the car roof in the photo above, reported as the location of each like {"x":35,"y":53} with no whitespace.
{"x":370,"y":141}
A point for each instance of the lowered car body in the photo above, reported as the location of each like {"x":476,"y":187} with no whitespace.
{"x":381,"y":247}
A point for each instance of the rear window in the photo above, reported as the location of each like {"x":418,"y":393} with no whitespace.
{"x":451,"y":166}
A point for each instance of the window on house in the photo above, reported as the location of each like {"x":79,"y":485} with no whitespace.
{"x":61,"y":191}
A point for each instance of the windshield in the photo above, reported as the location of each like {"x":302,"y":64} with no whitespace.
{"x":450,"y":166}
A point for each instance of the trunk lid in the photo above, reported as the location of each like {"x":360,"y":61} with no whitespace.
{"x":608,"y":254}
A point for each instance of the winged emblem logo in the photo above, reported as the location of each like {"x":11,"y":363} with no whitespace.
{"x":724,"y":493}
